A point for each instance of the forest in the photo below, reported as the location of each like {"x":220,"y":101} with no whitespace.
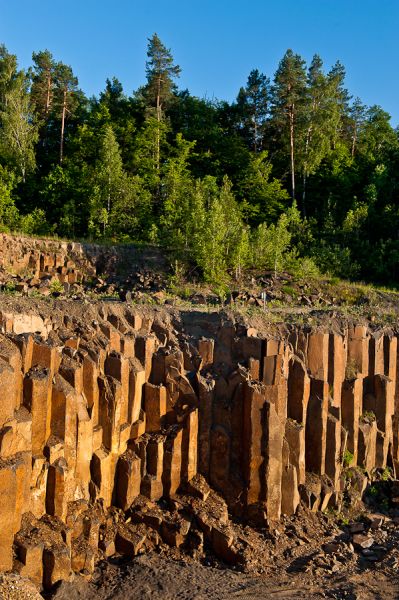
{"x":293,"y":175}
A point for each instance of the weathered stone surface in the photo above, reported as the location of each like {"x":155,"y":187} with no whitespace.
{"x":128,"y":479}
{"x":155,"y":406}
{"x":37,"y":400}
{"x":316,"y":427}
{"x":56,"y":565}
{"x":125,"y":410}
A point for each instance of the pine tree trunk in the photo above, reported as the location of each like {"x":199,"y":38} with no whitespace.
{"x":291,"y":116}
{"x":47,"y":110}
{"x":354,"y":139}
{"x":64,"y":107}
{"x":109,"y":195}
{"x":159,"y":115}
{"x":305,"y":179}
{"x":305,"y":173}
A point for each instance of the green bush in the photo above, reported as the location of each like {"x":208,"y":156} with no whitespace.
{"x":348,"y":458}
{"x":35,"y":223}
{"x":56,"y":287}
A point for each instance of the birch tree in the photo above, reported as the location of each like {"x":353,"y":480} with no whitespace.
{"x":18,"y":132}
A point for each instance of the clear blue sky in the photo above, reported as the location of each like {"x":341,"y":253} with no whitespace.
{"x":216,"y":42}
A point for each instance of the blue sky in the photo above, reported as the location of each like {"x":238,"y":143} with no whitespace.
{"x":216,"y":42}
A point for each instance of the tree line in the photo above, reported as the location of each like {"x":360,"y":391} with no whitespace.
{"x":293,"y":174}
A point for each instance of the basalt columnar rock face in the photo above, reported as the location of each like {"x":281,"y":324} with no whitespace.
{"x":30,"y":263}
{"x":127,"y":408}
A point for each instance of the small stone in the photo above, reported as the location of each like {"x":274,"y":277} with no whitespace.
{"x":331,"y":547}
{"x":376,"y":523}
{"x":362,"y":541}
{"x":356,"y":527}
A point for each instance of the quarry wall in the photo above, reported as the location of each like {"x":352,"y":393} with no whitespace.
{"x":99,"y":412}
{"x":33,"y":259}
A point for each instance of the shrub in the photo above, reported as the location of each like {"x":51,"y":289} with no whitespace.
{"x":56,"y":287}
{"x":348,"y":458}
{"x":35,"y":223}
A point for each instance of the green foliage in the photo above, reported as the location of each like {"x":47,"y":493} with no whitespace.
{"x":303,"y":268}
{"x":347,"y":459}
{"x":9,"y":287}
{"x":56,"y":287}
{"x":386,"y":474}
{"x":220,"y":239}
{"x":160,"y":72}
{"x":9,"y":214}
{"x":335,"y":260}
{"x":252,"y":108}
{"x":262,"y":199}
{"x":271,"y":244}
{"x":35,"y":223}
{"x":18,"y":131}
{"x":288,"y":289}
{"x":373,"y":491}
{"x":206,"y":179}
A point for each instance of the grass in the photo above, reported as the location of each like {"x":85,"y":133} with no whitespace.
{"x":290,"y":291}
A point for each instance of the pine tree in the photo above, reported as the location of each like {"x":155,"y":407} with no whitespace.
{"x":289,"y":92}
{"x":356,"y":119}
{"x":340,"y":97}
{"x":161,"y":72}
{"x":253,"y":106}
{"x":65,"y":98}
{"x":43,"y":82}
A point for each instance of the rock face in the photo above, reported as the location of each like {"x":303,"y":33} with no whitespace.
{"x":30,"y":266}
{"x":122,"y":410}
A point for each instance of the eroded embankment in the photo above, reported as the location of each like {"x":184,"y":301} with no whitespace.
{"x":110,"y":409}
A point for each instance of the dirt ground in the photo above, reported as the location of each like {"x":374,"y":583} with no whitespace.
{"x":156,"y":578}
{"x":310,"y":556}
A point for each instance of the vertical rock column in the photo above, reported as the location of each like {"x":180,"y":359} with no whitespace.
{"x":262,"y":451}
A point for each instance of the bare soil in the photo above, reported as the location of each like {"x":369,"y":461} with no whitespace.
{"x":306,"y":556}
{"x":155,"y":577}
